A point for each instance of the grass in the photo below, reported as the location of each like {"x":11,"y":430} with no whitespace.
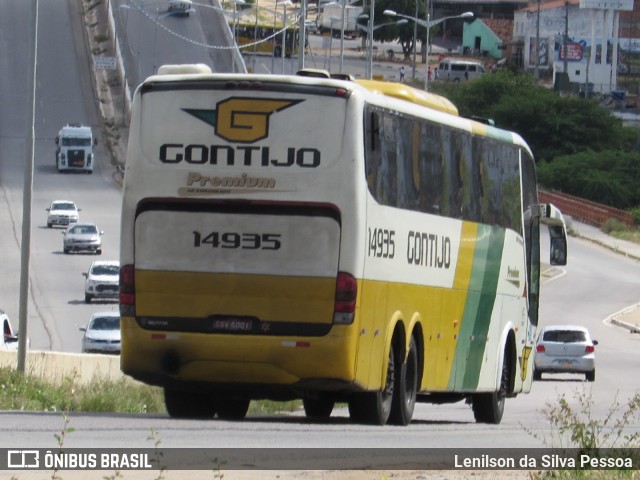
{"x":621,"y":231}
{"x":28,"y":392}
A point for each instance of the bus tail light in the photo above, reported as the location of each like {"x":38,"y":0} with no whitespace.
{"x":589,"y":349}
{"x":127,"y":291}
{"x":346,"y":293}
{"x":540,"y":348}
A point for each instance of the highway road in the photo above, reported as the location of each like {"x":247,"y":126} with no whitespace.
{"x":152,"y":37}
{"x":594,"y":285}
{"x":63,"y":95}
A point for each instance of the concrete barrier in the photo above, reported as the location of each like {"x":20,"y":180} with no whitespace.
{"x":56,"y":366}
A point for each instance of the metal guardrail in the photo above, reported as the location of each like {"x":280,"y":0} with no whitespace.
{"x":584,"y":210}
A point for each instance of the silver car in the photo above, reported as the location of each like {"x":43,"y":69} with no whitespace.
{"x":62,"y":212}
{"x":102,"y":280}
{"x":102,"y":333}
{"x":180,"y":7}
{"x":565,"y":349}
{"x":82,"y":237}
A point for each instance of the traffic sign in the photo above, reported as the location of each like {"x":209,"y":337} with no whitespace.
{"x":104,"y":63}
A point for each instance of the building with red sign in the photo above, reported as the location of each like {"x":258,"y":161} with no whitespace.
{"x":578,"y":40}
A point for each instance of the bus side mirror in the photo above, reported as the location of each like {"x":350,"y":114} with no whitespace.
{"x":95,"y":142}
{"x":558,"y":250}
{"x":552,"y":216}
{"x":57,"y":140}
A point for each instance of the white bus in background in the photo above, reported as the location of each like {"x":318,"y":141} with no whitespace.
{"x":387,"y":256}
{"x":74,"y":148}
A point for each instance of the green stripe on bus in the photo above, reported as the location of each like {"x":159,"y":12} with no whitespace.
{"x":498,"y":134}
{"x":478,"y":308}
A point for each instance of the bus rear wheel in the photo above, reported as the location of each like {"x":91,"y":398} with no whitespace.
{"x":319,"y":407}
{"x":232,"y":408}
{"x":406,"y":388}
{"x":181,"y":404}
{"x":374,"y":408}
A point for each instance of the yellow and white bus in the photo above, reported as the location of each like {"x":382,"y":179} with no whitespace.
{"x":261,"y":38}
{"x":330,"y":240}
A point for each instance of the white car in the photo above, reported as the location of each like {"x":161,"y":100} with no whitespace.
{"x":82,"y":237}
{"x":62,"y":212}
{"x":9,"y":337}
{"x":102,"y":280}
{"x":565,"y":349}
{"x":102,"y":333}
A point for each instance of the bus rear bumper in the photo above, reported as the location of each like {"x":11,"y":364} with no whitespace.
{"x":248,"y":364}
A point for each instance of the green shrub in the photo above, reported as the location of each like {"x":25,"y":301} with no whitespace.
{"x":576,"y":427}
{"x":614,"y":225}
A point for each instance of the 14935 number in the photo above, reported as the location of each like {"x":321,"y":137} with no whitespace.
{"x":382,"y":243}
{"x":246,"y":241}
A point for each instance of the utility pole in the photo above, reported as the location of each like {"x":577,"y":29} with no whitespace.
{"x":537,"y":70}
{"x":302,"y":32}
{"x":415,"y":42}
{"x":566,"y":35}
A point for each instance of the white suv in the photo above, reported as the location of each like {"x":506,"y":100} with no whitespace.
{"x":102,"y":280}
{"x":62,"y":212}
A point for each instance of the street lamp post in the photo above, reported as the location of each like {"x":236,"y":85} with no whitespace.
{"x":342,"y":4}
{"x":415,"y":42}
{"x":427,"y":24}
{"x":372,"y":14}
{"x":331,"y":20}
{"x":427,"y":16}
{"x":368,"y":29}
{"x":235,"y":22}
{"x":283,"y":47}
{"x":303,"y":34}
{"x":342,"y":37}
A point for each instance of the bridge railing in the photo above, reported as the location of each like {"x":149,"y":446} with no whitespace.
{"x":584,"y":210}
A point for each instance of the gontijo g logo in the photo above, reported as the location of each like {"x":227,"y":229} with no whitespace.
{"x":242,"y":120}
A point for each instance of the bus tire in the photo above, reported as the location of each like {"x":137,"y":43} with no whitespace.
{"x":406,"y":388}
{"x":232,"y":408}
{"x":319,"y":407}
{"x":489,"y":407}
{"x":374,"y":408}
{"x":180,"y":404}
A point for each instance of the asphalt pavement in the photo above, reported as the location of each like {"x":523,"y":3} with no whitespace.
{"x":628,"y":318}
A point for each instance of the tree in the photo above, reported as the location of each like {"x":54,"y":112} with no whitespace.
{"x":608,"y":177}
{"x":401,"y":33}
{"x":551,"y":125}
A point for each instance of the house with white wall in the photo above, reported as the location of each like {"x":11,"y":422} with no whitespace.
{"x":579,"y":37}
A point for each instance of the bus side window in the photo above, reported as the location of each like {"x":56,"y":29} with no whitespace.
{"x":372,"y":151}
{"x":374,"y":130}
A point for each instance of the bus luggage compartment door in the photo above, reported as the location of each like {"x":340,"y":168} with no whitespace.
{"x":261,"y":269}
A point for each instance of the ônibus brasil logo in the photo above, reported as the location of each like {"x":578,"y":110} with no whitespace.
{"x":242,"y":120}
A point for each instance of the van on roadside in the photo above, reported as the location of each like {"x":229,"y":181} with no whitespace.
{"x":454,"y":70}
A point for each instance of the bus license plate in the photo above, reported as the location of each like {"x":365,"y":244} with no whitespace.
{"x":232,"y":324}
